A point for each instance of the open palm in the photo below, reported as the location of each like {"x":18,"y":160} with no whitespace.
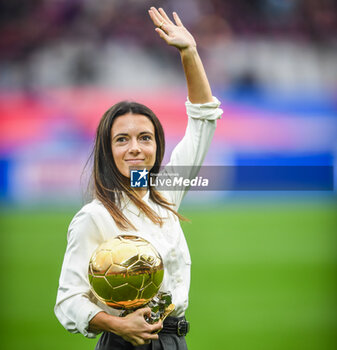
{"x":175,"y":34}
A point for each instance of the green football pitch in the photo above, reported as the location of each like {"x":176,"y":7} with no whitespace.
{"x":263,"y":277}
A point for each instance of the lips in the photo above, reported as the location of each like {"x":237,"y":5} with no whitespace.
{"x":134,"y":161}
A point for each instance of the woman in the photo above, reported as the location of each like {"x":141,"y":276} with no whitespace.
{"x":129,"y":134}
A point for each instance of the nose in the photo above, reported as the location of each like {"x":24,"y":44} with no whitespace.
{"x":134,"y":147}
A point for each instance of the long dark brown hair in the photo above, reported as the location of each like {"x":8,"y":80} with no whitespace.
{"x":109,"y":183}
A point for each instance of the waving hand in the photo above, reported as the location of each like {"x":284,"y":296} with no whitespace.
{"x":175,"y":34}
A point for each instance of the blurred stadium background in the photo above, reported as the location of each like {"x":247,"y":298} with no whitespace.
{"x":264,"y":264}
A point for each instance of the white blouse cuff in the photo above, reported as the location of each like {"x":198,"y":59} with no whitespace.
{"x":204,"y":111}
{"x":84,"y":318}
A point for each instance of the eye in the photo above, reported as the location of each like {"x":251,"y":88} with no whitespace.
{"x":121,"y":139}
{"x":146,"y":138}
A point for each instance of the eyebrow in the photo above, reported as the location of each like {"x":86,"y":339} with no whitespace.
{"x":126,"y":134}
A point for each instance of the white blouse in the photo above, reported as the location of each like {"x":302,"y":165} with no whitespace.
{"x":76,"y":305}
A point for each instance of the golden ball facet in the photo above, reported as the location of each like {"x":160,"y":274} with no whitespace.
{"x":125,"y":272}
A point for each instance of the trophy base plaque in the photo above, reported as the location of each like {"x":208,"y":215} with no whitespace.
{"x":161,"y":306}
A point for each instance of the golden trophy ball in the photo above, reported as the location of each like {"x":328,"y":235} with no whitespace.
{"x":125,"y":272}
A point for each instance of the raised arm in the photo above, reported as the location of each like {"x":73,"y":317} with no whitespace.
{"x":175,"y":34}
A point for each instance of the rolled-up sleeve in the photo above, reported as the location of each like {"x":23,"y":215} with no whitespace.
{"x":75,"y":305}
{"x":192,"y":149}
{"x":204,"y":111}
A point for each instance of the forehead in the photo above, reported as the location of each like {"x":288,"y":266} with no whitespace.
{"x":130,"y":123}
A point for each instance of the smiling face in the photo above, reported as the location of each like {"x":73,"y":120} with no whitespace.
{"x":133,"y":142}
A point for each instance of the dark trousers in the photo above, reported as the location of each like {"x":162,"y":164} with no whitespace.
{"x":111,"y":341}
{"x":166,"y":341}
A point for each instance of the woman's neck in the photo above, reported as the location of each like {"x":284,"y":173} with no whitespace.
{"x":142,"y":192}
